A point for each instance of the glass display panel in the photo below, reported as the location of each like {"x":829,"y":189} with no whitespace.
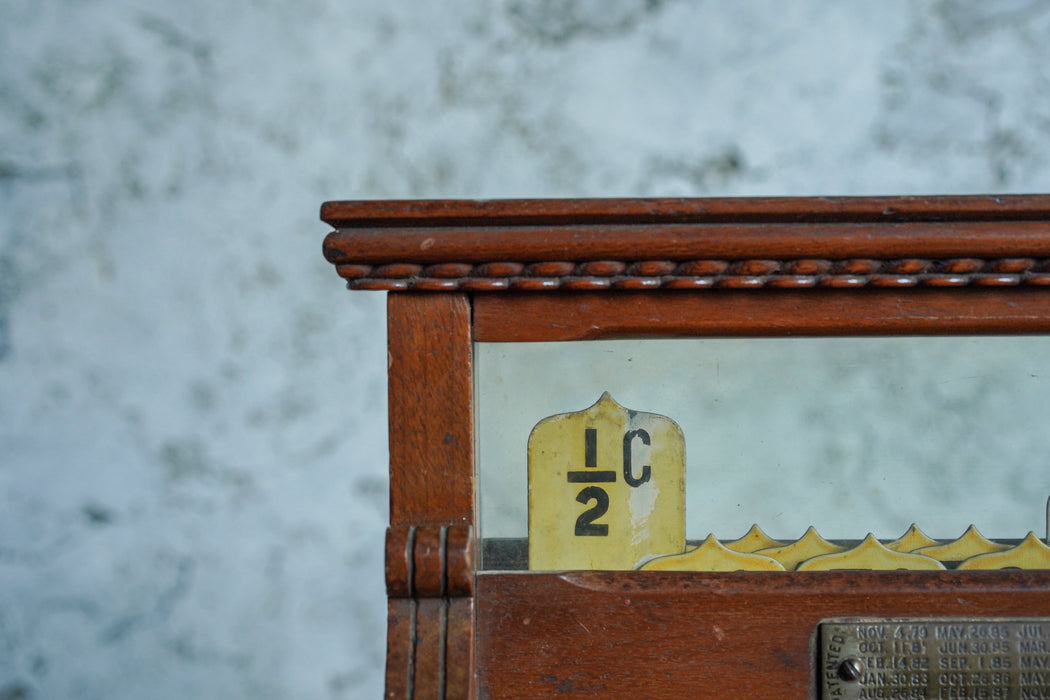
{"x":849,"y":436}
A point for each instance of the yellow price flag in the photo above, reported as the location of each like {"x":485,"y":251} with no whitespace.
{"x":606,"y":489}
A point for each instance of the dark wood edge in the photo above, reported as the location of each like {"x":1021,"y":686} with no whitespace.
{"x":400,"y":648}
{"x":460,"y":650}
{"x":682,"y":210}
{"x":393,"y":252}
{"x":431,"y":410}
{"x":430,"y":646}
{"x":400,"y":561}
{"x":593,"y":316}
{"x":780,"y":583}
{"x":443,"y":662}
{"x":731,"y":635}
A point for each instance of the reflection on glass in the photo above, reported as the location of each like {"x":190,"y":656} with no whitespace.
{"x":848,"y":435}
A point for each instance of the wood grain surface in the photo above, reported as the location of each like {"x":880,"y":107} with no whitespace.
{"x":693,"y":635}
{"x":431,"y":410}
{"x":628,"y":211}
{"x":594,"y":315}
{"x":777,"y":241}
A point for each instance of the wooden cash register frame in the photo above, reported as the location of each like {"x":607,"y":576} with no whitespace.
{"x":556,"y":270}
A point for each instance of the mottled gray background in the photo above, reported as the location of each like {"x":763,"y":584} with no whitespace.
{"x":192,"y":410}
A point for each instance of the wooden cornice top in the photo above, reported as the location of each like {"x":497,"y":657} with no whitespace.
{"x":735,"y":243}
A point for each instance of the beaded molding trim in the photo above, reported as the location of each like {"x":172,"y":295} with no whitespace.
{"x":698,"y":275}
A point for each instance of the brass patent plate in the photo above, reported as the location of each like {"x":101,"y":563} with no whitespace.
{"x":935,"y":659}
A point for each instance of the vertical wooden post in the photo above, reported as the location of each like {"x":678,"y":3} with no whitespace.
{"x":431,"y":410}
{"x":430,"y":647}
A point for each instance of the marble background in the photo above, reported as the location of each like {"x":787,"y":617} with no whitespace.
{"x":192,"y":410}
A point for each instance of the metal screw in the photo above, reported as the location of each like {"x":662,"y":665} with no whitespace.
{"x":851,"y":669}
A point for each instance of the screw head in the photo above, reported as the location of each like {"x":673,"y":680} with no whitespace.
{"x":851,"y":669}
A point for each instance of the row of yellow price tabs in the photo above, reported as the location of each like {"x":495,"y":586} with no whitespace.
{"x":607,"y":491}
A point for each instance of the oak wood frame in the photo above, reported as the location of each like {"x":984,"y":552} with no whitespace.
{"x":587,"y":269}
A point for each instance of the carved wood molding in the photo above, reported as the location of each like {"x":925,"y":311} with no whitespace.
{"x":698,"y":275}
{"x":691,"y":244}
{"x":429,"y":561}
{"x":430,"y":586}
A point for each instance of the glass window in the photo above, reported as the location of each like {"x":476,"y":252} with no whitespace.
{"x":848,"y":435}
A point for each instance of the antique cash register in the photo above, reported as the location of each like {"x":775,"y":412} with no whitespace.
{"x":714,"y":448}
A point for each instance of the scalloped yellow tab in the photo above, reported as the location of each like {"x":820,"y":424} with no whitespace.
{"x":870,"y":554}
{"x":713,"y":556}
{"x":752,"y":541}
{"x":911,"y":540}
{"x":970,"y":544}
{"x":606,"y":489}
{"x":810,"y":545}
{"x":1030,"y":553}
